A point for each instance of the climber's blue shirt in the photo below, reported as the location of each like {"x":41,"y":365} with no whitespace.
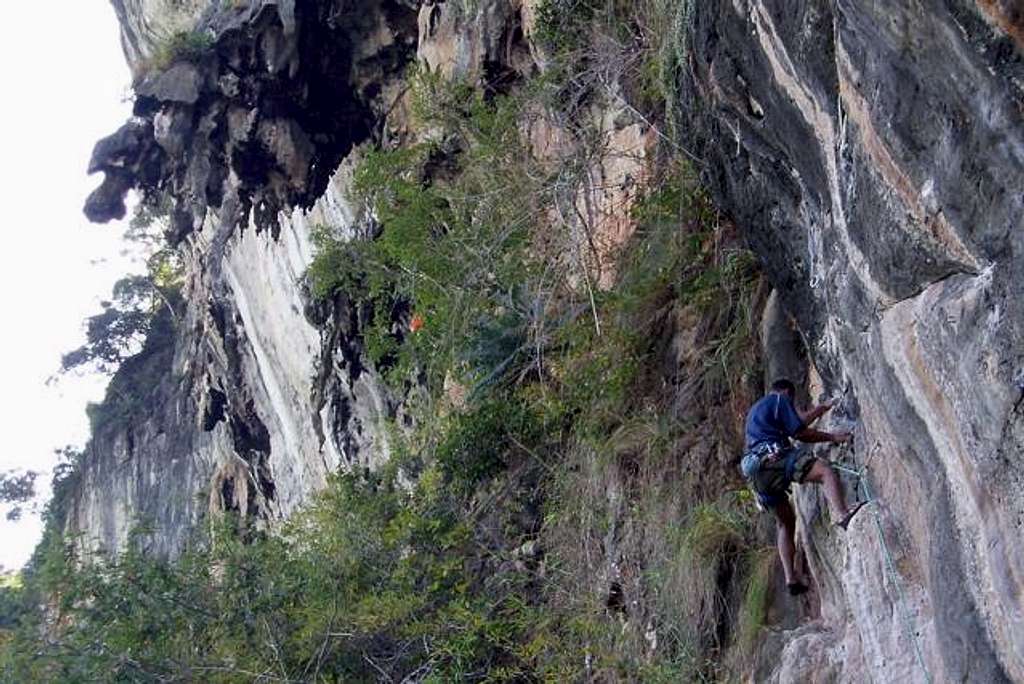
{"x":772,"y":419}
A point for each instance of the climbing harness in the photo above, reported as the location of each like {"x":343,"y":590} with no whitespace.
{"x":752,"y":460}
{"x":890,"y":564}
{"x":755,"y":459}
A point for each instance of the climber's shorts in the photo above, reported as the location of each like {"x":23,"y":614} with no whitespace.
{"x":772,"y":479}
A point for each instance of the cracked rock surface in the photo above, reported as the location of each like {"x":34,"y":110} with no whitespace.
{"x":874,"y":157}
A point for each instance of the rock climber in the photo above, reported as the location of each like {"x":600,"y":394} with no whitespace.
{"x":771,"y":463}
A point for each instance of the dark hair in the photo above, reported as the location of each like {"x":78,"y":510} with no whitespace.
{"x":784,"y":385}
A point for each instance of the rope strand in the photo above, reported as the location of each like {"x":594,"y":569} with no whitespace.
{"x":890,"y":565}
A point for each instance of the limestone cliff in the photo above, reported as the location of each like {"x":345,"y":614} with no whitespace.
{"x":872,"y":158}
{"x":269,"y":394}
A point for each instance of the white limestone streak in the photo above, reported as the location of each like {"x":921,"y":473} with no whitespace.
{"x":991,"y":558}
{"x":821,"y":125}
{"x":264,"y":276}
{"x":264,"y":281}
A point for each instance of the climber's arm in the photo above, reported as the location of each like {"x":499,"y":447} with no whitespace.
{"x":809,"y":416}
{"x":811,"y":435}
{"x":796,"y":424}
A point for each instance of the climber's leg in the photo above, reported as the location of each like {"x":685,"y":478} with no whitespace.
{"x":785,"y":524}
{"x":823,"y":474}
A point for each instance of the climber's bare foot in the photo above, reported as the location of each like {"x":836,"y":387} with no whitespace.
{"x":845,"y":521}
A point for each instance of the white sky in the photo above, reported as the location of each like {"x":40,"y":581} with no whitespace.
{"x":64,"y":81}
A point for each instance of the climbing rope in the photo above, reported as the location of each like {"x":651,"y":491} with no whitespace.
{"x":890,"y":564}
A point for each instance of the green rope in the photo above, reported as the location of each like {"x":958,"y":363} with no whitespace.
{"x":890,"y":565}
{"x":844,"y":469}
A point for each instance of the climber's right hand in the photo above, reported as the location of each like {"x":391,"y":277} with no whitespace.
{"x":841,"y":437}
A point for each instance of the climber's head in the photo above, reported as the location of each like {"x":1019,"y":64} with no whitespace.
{"x":784,"y":386}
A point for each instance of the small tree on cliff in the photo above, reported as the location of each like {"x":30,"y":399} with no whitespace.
{"x":126,"y":320}
{"x":16,"y":490}
{"x":119,"y":330}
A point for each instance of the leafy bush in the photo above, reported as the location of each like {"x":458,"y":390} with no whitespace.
{"x":135,"y":387}
{"x":17,"y":490}
{"x":181,"y":46}
{"x":481,"y":442}
{"x":441,"y":254}
{"x":562,"y":25}
{"x":128,"y":318}
{"x":367,"y":580}
{"x":117,"y":332}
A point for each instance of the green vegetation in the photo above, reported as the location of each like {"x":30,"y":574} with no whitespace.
{"x":16,"y":490}
{"x":131,"y":318}
{"x":137,"y":379}
{"x":369,"y":579}
{"x":453,"y":249}
{"x":120,"y":330}
{"x":181,"y":46}
{"x":563,"y":504}
{"x":132,"y":339}
{"x":587,"y":401}
{"x":754,"y":611}
{"x":13,"y":609}
{"x":640,"y":46}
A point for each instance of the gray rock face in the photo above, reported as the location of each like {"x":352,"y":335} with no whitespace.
{"x":874,"y":157}
{"x":123,"y":157}
{"x":260,"y":120}
{"x":144,"y":23}
{"x":254,"y":407}
{"x":182,"y":83}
